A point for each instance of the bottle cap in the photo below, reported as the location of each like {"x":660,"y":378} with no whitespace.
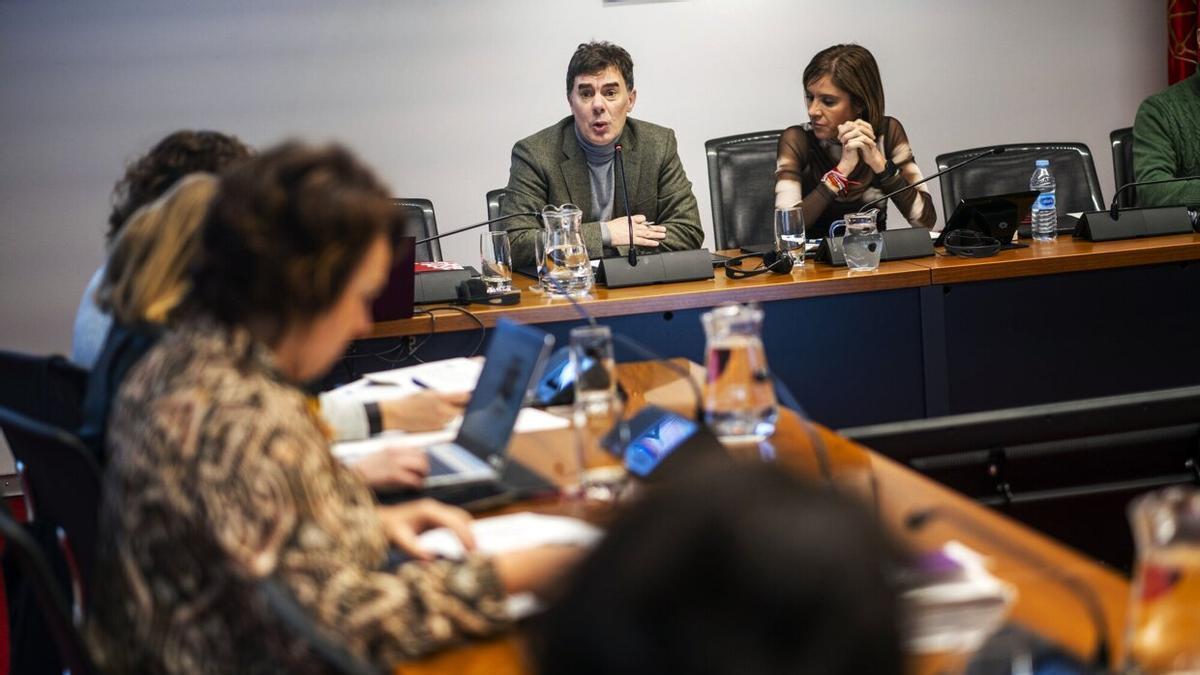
{"x":1042,"y":162}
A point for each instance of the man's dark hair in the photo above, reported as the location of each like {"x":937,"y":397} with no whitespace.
{"x":284,"y":234}
{"x":175,"y":156}
{"x":737,"y":568}
{"x":593,"y":57}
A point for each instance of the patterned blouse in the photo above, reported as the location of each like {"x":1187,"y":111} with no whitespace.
{"x":220,"y":476}
{"x":803,"y":160}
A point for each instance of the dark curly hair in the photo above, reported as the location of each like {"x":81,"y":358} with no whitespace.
{"x":284,"y":234}
{"x":593,"y":57}
{"x":175,"y":156}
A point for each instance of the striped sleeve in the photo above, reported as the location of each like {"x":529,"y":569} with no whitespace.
{"x":917,"y":204}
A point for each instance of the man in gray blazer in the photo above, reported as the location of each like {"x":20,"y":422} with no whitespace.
{"x":573,"y":162}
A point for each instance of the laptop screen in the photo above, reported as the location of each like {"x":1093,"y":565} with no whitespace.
{"x":513,"y":360}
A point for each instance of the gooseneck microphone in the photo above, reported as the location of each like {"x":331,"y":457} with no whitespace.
{"x":628,"y":212}
{"x":1114,"y":210}
{"x":917,"y":520}
{"x":662,"y":266}
{"x":472,"y":227}
{"x":994,"y":151}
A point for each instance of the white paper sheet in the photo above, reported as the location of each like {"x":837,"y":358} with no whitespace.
{"x":959,"y":613}
{"x":529,"y":420}
{"x":449,"y":375}
{"x":366,"y":391}
{"x":514,"y":532}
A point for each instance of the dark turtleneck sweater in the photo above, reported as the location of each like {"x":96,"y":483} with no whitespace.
{"x":601,"y":173}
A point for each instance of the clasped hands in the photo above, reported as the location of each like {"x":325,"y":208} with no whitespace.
{"x":858,"y":144}
{"x":644,"y":233}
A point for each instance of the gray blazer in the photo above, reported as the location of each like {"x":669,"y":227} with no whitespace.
{"x":549,"y":167}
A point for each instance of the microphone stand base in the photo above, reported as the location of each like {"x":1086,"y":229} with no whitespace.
{"x":474,"y":292}
{"x":657,"y":268}
{"x":1133,"y":223}
{"x":900,"y":244}
{"x":441,"y":286}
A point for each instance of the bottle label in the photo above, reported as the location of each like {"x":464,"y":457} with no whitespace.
{"x":1045,"y":200}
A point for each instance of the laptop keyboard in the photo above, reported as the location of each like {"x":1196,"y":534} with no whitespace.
{"x":437,"y":467}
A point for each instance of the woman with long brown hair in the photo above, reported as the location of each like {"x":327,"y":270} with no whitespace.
{"x":849,"y":153}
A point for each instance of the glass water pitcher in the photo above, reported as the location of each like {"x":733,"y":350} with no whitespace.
{"x":568,"y":270}
{"x":1164,"y":612}
{"x":739,"y":400}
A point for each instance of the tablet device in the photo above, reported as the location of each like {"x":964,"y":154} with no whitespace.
{"x":657,"y":443}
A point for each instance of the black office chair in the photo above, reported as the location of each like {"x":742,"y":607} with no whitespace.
{"x":741,"y":185}
{"x":1122,"y":154}
{"x":283,"y":606}
{"x":494,"y":199}
{"x":49,"y":389}
{"x":62,"y":491}
{"x":416,"y":219}
{"x":1077,"y":187}
{"x":73,"y":653}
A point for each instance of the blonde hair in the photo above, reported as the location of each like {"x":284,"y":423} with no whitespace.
{"x":149,"y":269}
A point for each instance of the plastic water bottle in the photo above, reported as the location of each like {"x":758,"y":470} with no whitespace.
{"x":1044,"y":222}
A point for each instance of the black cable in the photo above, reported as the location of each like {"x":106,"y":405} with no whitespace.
{"x":412,"y":351}
{"x":420,"y":342}
{"x":382,"y":356}
{"x":474,"y":317}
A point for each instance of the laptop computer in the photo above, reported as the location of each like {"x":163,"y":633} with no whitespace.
{"x":996,"y":216}
{"x":475,"y":466}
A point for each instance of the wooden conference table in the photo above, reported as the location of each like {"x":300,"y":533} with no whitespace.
{"x":917,"y":338}
{"x":1043,"y":605}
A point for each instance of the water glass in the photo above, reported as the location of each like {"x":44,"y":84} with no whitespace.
{"x":789,"y":233}
{"x":591,"y":354}
{"x":597,"y":411}
{"x":539,"y":259}
{"x":495,"y":253}
{"x":863,"y":242}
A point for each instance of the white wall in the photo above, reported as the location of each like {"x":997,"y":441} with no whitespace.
{"x":434,"y":92}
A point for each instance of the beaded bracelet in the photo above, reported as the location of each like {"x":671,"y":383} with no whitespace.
{"x":837,"y":181}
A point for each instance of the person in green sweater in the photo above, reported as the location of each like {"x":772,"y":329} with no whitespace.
{"x":1166,"y":144}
